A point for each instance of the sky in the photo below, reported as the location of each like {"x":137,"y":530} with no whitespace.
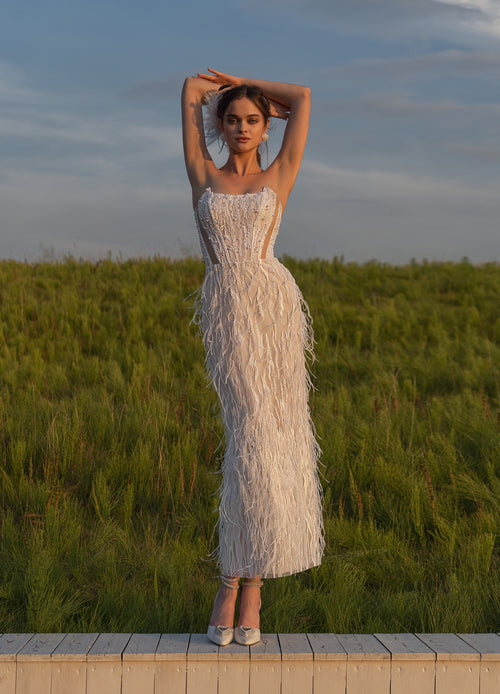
{"x":402,"y":160}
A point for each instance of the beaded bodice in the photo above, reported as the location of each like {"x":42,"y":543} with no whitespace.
{"x":236,"y":229}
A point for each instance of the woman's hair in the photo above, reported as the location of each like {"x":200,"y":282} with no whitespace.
{"x":241,"y":91}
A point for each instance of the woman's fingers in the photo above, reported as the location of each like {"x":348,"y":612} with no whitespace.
{"x":278,"y":110}
{"x":210,"y":78}
{"x":218,"y":77}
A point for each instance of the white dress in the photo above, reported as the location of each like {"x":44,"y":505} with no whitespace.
{"x":256,"y":330}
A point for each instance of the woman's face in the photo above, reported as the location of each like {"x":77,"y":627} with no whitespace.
{"x":243,"y":125}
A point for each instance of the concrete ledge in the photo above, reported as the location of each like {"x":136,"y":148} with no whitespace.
{"x":279,"y":664}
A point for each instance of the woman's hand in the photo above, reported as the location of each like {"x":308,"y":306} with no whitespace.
{"x":220,"y":78}
{"x":279,"y":110}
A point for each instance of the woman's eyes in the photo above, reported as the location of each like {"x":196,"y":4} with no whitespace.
{"x":252,"y":121}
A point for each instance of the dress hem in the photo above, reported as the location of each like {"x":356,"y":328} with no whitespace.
{"x":266,"y":575}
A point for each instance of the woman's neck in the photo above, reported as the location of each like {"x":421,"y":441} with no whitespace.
{"x":241,"y":165}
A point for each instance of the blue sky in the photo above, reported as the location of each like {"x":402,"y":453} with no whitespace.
{"x":403,"y":158}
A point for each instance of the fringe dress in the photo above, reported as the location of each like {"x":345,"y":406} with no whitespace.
{"x":257,"y":330}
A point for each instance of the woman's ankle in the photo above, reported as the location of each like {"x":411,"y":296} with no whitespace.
{"x":232,"y":582}
{"x":225,"y":604}
{"x":250,"y":603}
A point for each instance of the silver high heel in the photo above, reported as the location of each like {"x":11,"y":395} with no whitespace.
{"x":247,"y":636}
{"x":223,"y":635}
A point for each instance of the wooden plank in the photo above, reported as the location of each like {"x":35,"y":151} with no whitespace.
{"x":104,"y":664}
{"x":234,"y":668}
{"x":265,"y":665}
{"x":406,"y":647}
{"x":202,"y":665}
{"x":34,"y":668}
{"x":138,"y":674}
{"x":413,"y":666}
{"x":171,"y":663}
{"x":69,"y":668}
{"x":488,"y":646}
{"x":201,"y":648}
{"x":449,"y":647}
{"x":326,"y":647}
{"x":108,"y":647}
{"x":10,"y":644}
{"x":39,"y":648}
{"x":368,"y":664}
{"x":141,"y":647}
{"x":363,"y":647}
{"x":295,"y":647}
{"x":268,"y":648}
{"x":330,"y":664}
{"x":457,"y":664}
{"x":74,"y":647}
{"x":172,"y":647}
{"x":297,"y":666}
{"x":234,"y":651}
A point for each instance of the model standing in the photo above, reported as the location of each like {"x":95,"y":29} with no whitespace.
{"x":256,"y":330}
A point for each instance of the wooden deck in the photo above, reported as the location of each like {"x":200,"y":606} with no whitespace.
{"x":279,"y":664}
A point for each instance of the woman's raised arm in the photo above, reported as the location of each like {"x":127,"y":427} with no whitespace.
{"x":196,"y":154}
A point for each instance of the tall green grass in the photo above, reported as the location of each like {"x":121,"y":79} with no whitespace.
{"x":109,"y":449}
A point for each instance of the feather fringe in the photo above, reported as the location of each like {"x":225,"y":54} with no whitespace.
{"x":257,"y":332}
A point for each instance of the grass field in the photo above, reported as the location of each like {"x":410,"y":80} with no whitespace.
{"x":109,"y":449}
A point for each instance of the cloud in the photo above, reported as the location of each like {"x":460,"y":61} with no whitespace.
{"x":408,"y":132}
{"x":396,"y":19}
{"x":39,"y":133}
{"x":457,"y":62}
{"x":381,"y":10}
{"x":112,"y":131}
{"x":364,"y":15}
{"x":400,"y":105}
{"x":484,"y":154}
{"x":394,"y":187}
{"x":407,"y":112}
{"x":488,"y":19}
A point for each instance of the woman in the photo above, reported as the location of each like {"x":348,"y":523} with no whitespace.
{"x":256,"y":329}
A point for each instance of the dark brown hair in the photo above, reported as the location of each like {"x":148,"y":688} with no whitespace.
{"x":240,"y":92}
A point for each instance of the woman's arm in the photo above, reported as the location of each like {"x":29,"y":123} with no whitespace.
{"x":295,"y":103}
{"x":196,"y":154}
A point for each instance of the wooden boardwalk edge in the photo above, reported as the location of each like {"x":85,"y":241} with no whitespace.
{"x":280,"y":663}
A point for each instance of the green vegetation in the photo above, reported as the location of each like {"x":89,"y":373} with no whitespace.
{"x":108,"y":449}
